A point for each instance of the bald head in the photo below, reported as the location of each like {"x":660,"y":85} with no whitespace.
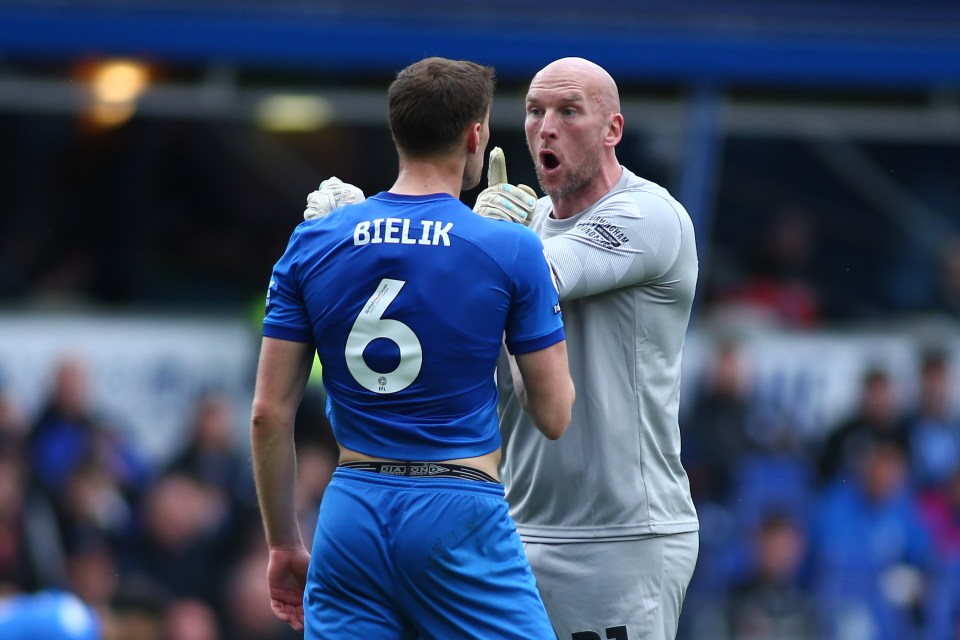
{"x":584,"y":74}
{"x":573,"y":125}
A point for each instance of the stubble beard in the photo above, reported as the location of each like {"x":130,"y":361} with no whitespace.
{"x":576,"y":178}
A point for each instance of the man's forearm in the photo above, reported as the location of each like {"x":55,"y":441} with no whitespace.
{"x":275,"y":471}
{"x":281,"y":377}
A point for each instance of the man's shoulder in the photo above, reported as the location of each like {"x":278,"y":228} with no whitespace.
{"x":649,"y":202}
{"x":643,"y":192}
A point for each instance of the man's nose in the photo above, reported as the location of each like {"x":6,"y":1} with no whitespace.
{"x":548,"y":128}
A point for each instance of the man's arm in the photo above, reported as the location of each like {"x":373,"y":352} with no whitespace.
{"x":544,"y":387}
{"x":281,"y":379}
{"x":629,"y":239}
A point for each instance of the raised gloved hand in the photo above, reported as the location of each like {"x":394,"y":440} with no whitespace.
{"x":501,"y":200}
{"x":332,"y":194}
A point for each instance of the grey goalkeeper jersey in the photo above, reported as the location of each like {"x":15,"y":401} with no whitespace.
{"x":626,"y":269}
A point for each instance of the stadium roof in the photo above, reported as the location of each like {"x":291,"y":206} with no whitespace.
{"x":877,"y":44}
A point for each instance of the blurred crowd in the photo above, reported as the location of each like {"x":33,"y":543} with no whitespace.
{"x":849,"y":532}
{"x":850,"y":535}
{"x":782,"y":273}
{"x":162,"y":551}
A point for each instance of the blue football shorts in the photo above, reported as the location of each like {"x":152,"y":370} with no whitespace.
{"x":434,"y":558}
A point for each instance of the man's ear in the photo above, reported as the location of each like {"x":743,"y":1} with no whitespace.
{"x":473,"y":138}
{"x":615,"y":130}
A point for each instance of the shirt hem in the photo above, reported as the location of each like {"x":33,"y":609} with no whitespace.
{"x":554,"y":535}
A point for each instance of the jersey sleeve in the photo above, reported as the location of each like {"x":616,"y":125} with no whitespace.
{"x":286,"y":316}
{"x":629,"y":239}
{"x":534,"y":321}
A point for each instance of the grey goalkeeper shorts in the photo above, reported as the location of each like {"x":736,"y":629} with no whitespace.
{"x":623,"y":590}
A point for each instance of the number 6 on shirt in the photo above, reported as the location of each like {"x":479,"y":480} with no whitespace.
{"x":369,"y":326}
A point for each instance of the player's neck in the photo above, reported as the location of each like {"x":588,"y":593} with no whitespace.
{"x":585,"y":197}
{"x":421,"y":177}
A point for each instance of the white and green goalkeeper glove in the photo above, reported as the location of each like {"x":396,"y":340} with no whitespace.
{"x":501,"y":200}
{"x":332,"y":194}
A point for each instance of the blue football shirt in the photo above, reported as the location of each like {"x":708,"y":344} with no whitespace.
{"x":408,"y":299}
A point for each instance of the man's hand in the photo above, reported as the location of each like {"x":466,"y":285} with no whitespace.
{"x":501,"y":200}
{"x":332,"y":194}
{"x":287,"y":577}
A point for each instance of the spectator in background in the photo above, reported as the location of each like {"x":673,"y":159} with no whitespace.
{"x":759,"y":459}
{"x":210,"y":452}
{"x":190,"y":620}
{"x":877,"y":417}
{"x":177,"y":546}
{"x":757,"y":467}
{"x":777,"y":288}
{"x":870,"y":549}
{"x":66,"y":430}
{"x":942,"y":614}
{"x":769,"y":603}
{"x":137,"y":611}
{"x":19,"y":561}
{"x":67,"y":433}
{"x":933,"y":428}
{"x":13,"y":426}
{"x":92,"y":505}
{"x":940,"y":509}
{"x":212,"y":457}
{"x":716,"y":427}
{"x":93,"y":573}
{"x":31,"y":553}
{"x":246,"y":598}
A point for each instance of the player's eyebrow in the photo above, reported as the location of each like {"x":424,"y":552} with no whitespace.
{"x":568,"y":98}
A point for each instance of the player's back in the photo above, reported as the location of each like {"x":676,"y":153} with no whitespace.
{"x":408,"y":299}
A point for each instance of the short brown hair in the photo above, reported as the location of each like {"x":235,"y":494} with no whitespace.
{"x":434,"y":100}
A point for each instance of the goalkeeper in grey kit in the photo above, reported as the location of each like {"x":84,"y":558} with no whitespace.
{"x":605,"y":513}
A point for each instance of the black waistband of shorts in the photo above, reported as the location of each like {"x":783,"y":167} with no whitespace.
{"x":422,"y":470}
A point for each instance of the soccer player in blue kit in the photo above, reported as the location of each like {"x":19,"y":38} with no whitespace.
{"x":407,"y":298}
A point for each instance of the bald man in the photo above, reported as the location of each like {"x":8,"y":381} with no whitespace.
{"x":605,"y":512}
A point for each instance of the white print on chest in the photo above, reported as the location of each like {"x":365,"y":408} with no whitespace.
{"x":401,"y":231}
